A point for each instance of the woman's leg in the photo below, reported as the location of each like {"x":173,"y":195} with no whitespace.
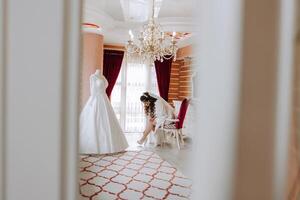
{"x":149,"y":127}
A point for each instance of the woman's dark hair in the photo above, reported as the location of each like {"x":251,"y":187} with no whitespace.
{"x":150,"y":108}
{"x":143,"y":98}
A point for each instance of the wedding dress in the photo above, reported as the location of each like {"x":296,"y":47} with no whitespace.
{"x":100,"y":131}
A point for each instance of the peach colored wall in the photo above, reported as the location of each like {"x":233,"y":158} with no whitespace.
{"x":174,"y":81}
{"x":185,"y":78}
{"x":180,"y":83}
{"x":184,"y":52}
{"x":92,"y":60}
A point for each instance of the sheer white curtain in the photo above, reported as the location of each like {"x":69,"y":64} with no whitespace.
{"x":134,"y":79}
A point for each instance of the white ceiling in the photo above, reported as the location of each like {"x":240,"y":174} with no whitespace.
{"x":112,"y":8}
{"x":116,"y":17}
{"x":169,"y":8}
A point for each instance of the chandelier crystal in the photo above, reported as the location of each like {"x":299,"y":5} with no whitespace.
{"x":152,"y":43}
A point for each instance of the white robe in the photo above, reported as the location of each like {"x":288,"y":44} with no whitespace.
{"x":163,"y":110}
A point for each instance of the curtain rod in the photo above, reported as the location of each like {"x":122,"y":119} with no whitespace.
{"x":116,"y":52}
{"x":114,"y":49}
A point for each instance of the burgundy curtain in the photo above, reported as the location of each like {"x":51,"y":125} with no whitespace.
{"x":163,"y":73}
{"x":112,"y":62}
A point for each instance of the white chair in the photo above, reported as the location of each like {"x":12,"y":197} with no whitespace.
{"x":174,"y":126}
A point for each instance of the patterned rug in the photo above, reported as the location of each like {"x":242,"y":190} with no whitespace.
{"x":131,"y":175}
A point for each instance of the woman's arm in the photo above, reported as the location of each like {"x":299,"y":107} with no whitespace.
{"x":152,"y":120}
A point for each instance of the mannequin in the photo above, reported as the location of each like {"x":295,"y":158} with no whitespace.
{"x":97,"y":72}
{"x":100,"y":132}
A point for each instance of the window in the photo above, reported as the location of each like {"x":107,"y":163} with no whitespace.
{"x":133,"y":80}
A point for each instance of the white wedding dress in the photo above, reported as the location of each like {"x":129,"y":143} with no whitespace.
{"x":100,"y":131}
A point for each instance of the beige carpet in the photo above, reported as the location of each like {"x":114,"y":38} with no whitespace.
{"x":131,"y":175}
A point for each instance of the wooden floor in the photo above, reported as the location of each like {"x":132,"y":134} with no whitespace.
{"x":179,"y":158}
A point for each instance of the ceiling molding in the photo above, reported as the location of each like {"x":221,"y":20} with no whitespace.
{"x":99,"y":17}
{"x":116,"y":31}
{"x":107,"y":22}
{"x":135,"y":10}
{"x":97,"y":31}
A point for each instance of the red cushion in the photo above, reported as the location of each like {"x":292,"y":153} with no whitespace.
{"x":182,"y":112}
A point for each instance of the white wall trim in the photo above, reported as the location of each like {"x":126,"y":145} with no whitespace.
{"x":97,"y":31}
{"x":2,"y":98}
{"x":218,"y":89}
{"x":287,"y":37}
{"x":70,"y":99}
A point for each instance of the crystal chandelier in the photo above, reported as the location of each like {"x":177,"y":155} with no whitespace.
{"x":153,"y":44}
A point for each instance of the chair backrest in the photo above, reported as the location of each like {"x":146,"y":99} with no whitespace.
{"x":177,"y":105}
{"x":182,"y":112}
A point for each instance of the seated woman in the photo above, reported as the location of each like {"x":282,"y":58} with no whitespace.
{"x":156,"y":110}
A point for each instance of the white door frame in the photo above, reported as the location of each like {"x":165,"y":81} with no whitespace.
{"x":2,"y":103}
{"x":287,"y":37}
{"x":70,"y":62}
{"x":70,"y":106}
{"x":70,"y":100}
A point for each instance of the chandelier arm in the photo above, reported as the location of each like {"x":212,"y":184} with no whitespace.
{"x":152,"y":44}
{"x":153,"y":9}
